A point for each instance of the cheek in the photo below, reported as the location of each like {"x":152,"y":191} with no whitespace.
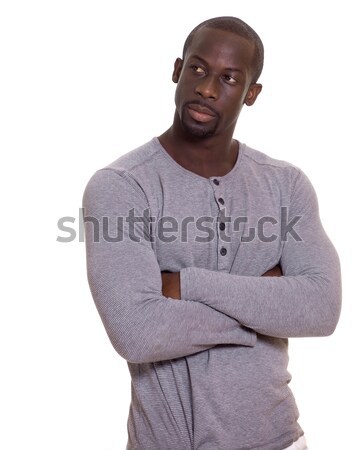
{"x":235,"y":106}
{"x":179,"y":89}
{"x":181,"y":94}
{"x":178,"y":98}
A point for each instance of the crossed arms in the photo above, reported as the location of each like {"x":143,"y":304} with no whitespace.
{"x":144,"y":325}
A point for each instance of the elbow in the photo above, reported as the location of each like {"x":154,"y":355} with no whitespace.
{"x":329,"y":313}
{"x":134,"y":357}
{"x":130,"y":334}
{"x":328,"y":327}
{"x":132,"y":352}
{"x":331,"y":320}
{"x":332,"y":300}
{"x":139,"y":356}
{"x":133,"y":347}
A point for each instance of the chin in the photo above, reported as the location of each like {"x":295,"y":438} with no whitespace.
{"x":199,"y":131}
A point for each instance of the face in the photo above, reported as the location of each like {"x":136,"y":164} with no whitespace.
{"x":213,"y":82}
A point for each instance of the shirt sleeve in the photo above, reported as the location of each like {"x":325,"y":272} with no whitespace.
{"x":125,"y":281}
{"x":306,"y":301}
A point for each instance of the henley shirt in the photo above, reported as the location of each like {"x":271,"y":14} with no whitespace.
{"x":209,"y":371}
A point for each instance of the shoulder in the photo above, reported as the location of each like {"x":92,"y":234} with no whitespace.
{"x":137,"y":159}
{"x":134,"y":164}
{"x":275,"y":174}
{"x":286,"y":175}
{"x":259,"y":158}
{"x":127,"y":176}
{"x":268,"y":170}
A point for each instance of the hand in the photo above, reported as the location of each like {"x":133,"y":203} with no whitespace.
{"x":274,"y":272}
{"x":171,"y":284}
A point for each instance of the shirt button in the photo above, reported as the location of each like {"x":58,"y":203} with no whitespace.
{"x":221,"y":200}
{"x":223,"y":251}
{"x":222,"y":226}
{"x":217,"y":182}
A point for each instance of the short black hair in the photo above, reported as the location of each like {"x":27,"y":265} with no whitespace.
{"x":236,"y":26}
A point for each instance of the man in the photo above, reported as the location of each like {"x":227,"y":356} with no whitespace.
{"x":179,"y":234}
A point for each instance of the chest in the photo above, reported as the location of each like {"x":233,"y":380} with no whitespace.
{"x":232,"y":227}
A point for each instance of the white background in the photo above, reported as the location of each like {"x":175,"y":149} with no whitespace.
{"x":83,"y":82}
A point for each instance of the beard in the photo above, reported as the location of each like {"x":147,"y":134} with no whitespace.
{"x":199,"y":130}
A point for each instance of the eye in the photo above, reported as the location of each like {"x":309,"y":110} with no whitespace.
{"x":197,"y":69}
{"x":229,"y":79}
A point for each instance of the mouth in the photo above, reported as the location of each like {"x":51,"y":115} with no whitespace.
{"x":200,"y":113}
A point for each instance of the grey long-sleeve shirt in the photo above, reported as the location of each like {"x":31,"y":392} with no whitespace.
{"x":209,"y":371}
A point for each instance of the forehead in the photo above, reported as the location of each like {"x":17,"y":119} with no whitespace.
{"x":221,"y":46}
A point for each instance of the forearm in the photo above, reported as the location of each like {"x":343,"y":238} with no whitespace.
{"x":293,"y":306}
{"x":148,"y":329}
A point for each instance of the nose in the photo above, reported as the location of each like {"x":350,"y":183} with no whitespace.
{"x":207,"y":88}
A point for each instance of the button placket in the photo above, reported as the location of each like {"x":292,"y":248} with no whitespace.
{"x":223,"y":259}
{"x":218,"y":190}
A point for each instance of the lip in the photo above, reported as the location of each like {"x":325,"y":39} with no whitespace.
{"x":200,"y":113}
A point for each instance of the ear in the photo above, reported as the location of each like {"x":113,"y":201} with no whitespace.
{"x":252,"y":93}
{"x":177,"y":70}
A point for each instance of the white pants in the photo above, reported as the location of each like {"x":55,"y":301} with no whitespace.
{"x":300,"y":444}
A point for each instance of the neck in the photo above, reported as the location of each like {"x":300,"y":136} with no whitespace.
{"x":207,"y":157}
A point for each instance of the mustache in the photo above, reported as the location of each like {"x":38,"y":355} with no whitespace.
{"x":203,"y":104}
